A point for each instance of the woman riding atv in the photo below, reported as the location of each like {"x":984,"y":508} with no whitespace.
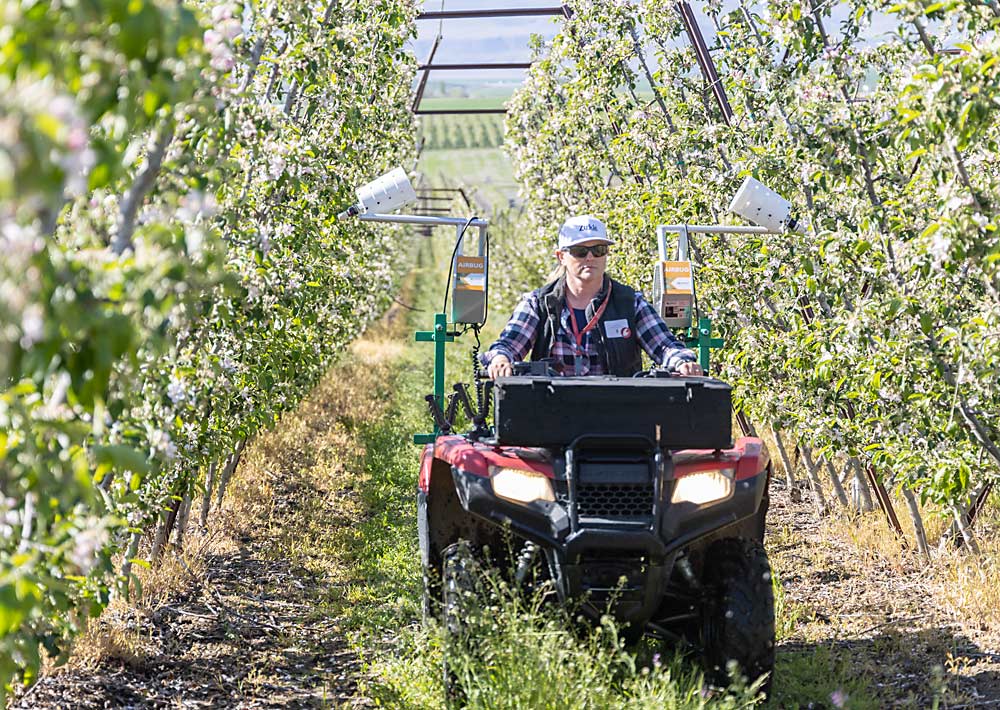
{"x":584,"y":322}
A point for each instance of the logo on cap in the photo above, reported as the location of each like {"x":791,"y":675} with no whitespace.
{"x":582,"y":228}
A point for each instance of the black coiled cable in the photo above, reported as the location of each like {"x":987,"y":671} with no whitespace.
{"x":478,"y":375}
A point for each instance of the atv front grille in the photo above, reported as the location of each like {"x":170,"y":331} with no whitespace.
{"x":616,"y":501}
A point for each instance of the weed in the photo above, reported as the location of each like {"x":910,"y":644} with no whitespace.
{"x":786,"y":613}
{"x":114,"y":638}
{"x":819,"y":677}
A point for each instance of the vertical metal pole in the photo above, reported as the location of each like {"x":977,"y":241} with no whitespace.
{"x":661,"y":242}
{"x":440,"y":338}
{"x":704,"y":338}
{"x":682,"y":243}
{"x":486,"y":272}
{"x":459,"y":252}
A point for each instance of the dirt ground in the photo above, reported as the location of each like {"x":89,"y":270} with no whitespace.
{"x":250,"y":633}
{"x":879,"y":615}
{"x":253,"y":619}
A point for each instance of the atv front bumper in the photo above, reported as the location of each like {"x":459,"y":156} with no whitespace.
{"x":548,"y":524}
{"x":599,"y":558}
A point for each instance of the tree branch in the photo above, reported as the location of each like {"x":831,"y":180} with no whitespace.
{"x":140,"y":187}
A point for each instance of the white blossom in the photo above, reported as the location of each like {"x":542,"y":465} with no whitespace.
{"x":32,"y":325}
{"x":176,"y":391}
{"x":87,"y":543}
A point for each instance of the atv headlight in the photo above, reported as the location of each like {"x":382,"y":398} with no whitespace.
{"x":521,"y":486}
{"x":704,"y":487}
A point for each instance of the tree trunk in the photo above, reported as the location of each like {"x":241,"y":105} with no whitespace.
{"x":206,"y":499}
{"x":967,"y":536}
{"x":918,"y":523}
{"x":130,"y":553}
{"x":860,"y":489}
{"x":227,"y":472}
{"x":27,"y":521}
{"x":838,"y":488}
{"x":182,"y":522}
{"x":143,"y":183}
{"x":969,"y":511}
{"x":164,"y":529}
{"x":814,"y":484}
{"x":786,"y":462}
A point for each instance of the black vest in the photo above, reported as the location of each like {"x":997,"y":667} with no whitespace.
{"x":622,"y":357}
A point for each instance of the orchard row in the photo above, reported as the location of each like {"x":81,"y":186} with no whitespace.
{"x":172,"y":275}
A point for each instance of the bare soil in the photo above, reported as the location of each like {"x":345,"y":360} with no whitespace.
{"x":880,"y":616}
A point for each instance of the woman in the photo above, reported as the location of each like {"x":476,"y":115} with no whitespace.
{"x":584,"y":322}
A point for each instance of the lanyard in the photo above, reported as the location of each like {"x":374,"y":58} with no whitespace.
{"x":578,"y":334}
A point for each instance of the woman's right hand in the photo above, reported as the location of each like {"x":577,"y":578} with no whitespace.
{"x":500,"y":367}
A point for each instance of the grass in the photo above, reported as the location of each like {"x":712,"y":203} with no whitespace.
{"x":446,"y":103}
{"x":820,"y":678}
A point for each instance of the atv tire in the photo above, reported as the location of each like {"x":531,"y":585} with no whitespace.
{"x":738,"y":617}
{"x":458,"y":592}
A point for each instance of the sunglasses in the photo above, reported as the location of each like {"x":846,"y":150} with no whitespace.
{"x":580,"y":252}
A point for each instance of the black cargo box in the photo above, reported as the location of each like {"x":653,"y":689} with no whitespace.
{"x":693,"y":413}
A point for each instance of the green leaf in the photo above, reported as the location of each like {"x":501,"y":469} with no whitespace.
{"x":122,"y":458}
{"x":926,"y":323}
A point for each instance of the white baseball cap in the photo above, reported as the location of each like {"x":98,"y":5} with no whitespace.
{"x":585,"y":228}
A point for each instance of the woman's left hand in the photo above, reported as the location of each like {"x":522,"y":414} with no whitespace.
{"x":689,"y":368}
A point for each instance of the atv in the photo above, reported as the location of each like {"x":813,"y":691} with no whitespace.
{"x":627,"y":495}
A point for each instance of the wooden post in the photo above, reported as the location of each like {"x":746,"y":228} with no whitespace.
{"x":884,"y":502}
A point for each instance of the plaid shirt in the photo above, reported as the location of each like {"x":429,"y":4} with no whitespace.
{"x":518,"y":337}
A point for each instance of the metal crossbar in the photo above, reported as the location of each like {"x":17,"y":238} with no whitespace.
{"x":428,"y":66}
{"x":460,"y":67}
{"x":705,"y":62}
{"x":457,"y":111}
{"x":495,"y":12}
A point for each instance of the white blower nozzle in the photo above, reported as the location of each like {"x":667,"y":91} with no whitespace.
{"x":761,"y":205}
{"x":383,"y":195}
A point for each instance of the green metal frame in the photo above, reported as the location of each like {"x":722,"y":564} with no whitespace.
{"x":439,"y":336}
{"x":702,"y":337}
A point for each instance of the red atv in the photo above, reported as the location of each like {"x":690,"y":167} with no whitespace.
{"x":628,"y":494}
